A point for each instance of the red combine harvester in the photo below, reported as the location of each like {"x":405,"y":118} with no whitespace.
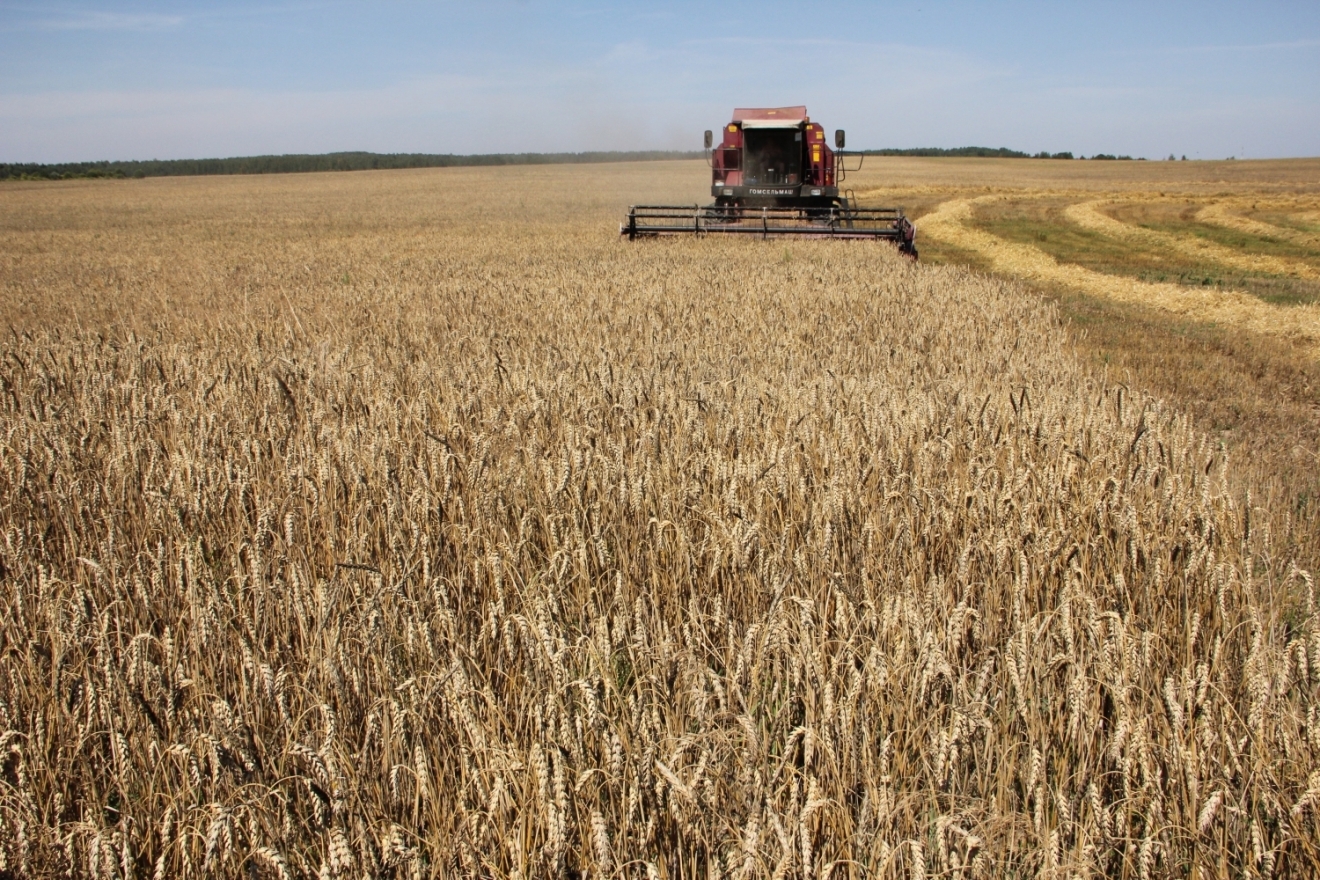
{"x":773,"y":174}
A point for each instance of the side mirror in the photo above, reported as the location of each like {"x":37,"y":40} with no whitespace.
{"x":710,"y":139}
{"x":838,"y":139}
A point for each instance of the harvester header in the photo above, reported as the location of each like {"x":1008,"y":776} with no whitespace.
{"x":773,"y":173}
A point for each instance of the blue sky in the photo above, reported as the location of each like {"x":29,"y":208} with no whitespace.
{"x":112,"y":80}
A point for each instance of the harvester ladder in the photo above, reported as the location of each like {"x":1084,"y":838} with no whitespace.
{"x":849,"y":205}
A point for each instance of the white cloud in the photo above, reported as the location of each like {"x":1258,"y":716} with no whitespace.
{"x":90,"y":20}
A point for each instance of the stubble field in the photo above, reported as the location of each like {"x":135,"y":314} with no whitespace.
{"x":354,"y":526}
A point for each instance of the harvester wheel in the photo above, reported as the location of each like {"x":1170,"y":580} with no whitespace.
{"x":722,"y":213}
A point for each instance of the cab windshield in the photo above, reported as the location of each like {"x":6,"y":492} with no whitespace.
{"x":772,"y":155}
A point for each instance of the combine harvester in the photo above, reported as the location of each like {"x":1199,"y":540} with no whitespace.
{"x":774,"y":175}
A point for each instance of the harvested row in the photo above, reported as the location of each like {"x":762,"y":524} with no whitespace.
{"x":1089,"y":215}
{"x":951,"y":222}
{"x":681,"y":560}
{"x":1222,"y":214}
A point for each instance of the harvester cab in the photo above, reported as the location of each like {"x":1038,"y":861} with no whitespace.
{"x":775,"y":158}
{"x":773,"y":174}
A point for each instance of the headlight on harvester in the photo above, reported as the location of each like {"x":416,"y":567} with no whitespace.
{"x":728,"y":192}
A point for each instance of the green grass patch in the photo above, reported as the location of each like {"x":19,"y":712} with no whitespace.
{"x":1289,"y":221}
{"x":938,"y":253}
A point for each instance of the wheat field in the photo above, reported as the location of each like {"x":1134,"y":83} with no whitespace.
{"x":354,"y":526}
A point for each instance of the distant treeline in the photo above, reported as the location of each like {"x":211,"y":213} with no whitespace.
{"x":988,"y":153}
{"x":359,"y":161}
{"x":976,"y":152}
{"x":289,"y":164}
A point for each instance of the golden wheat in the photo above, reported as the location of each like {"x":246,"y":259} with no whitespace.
{"x":371,"y":534}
